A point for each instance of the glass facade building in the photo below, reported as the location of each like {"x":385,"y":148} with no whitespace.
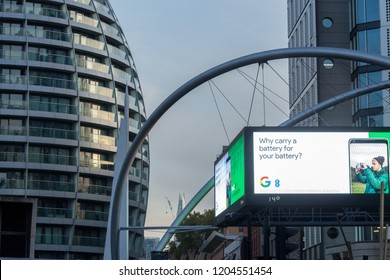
{"x":65,"y":68}
{"x":356,"y":24}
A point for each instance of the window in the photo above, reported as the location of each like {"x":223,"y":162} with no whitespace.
{"x":11,"y":101}
{"x":327,"y":22}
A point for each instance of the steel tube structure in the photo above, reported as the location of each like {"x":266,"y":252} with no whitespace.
{"x":261,"y":57}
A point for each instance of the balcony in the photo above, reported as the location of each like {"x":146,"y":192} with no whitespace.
{"x":52,"y":107}
{"x":84,"y":20}
{"x":93,"y":66}
{"x":12,"y":30}
{"x":99,"y":90}
{"x":116,"y":51}
{"x":12,"y":156}
{"x":121,"y":74}
{"x":46,"y":12}
{"x":13,"y":79}
{"x":11,"y":8}
{"x":52,"y":159}
{"x":102,"y":8}
{"x":54,"y":212}
{"x":88,"y":241}
{"x":94,"y":189}
{"x":53,"y":133}
{"x":12,"y":130}
{"x":92,"y":215}
{"x":50,"y":185}
{"x":60,"y":59}
{"x":12,"y":54}
{"x":110,"y":30}
{"x":97,"y":114}
{"x":89,"y":42}
{"x":49,"y":34}
{"x":51,"y":82}
{"x":51,"y":239}
{"x":97,"y":163}
{"x":12,"y":184}
{"x":98,"y":139}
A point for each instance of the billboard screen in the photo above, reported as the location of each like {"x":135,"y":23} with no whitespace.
{"x":229,"y":176}
{"x":320,"y":162}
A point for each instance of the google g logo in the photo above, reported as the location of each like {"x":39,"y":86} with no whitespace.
{"x":264,"y":182}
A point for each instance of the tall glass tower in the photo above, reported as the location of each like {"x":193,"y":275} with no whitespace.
{"x":65,"y":68}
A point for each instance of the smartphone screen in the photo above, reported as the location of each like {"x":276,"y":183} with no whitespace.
{"x":371,"y":154}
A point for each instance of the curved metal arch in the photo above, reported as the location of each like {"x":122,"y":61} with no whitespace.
{"x":294,"y":120}
{"x":260,"y":57}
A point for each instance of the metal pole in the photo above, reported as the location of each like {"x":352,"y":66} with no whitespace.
{"x":381,"y":222}
{"x":266,"y":234}
{"x":249,"y":242}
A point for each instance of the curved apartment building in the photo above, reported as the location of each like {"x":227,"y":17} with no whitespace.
{"x":65,"y":67}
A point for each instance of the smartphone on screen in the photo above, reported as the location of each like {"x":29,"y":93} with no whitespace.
{"x":367,"y":153}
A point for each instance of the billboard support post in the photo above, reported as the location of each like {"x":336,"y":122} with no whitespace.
{"x":382,"y":252}
{"x":266,"y":234}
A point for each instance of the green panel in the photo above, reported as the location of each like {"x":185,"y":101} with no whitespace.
{"x":236,"y":153}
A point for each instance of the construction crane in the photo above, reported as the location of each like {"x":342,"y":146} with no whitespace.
{"x":170,"y":207}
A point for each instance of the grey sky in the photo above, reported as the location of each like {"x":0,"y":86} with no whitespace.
{"x":174,"y":40}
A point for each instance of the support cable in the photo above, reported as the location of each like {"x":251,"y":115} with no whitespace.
{"x":253,"y":94}
{"x":273,"y":103}
{"x":219,"y":112}
{"x":235,"y":109}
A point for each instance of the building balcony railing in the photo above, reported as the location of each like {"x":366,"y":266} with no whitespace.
{"x":13,"y":79}
{"x":51,"y":82}
{"x":99,"y":139}
{"x":99,"y":90}
{"x":53,"y":107}
{"x":121,"y":98}
{"x":93,"y":65}
{"x":54,"y":212}
{"x":89,"y":42}
{"x":53,"y":133}
{"x":110,"y":30}
{"x":12,"y":130}
{"x":60,"y":59}
{"x":116,"y":51}
{"x":88,"y":241}
{"x":11,"y":183}
{"x":12,"y":54}
{"x":121,"y":74}
{"x":48,"y":12}
{"x":50,"y":185}
{"x":12,"y":156}
{"x":98,"y":114}
{"x":11,"y":8}
{"x":84,"y":20}
{"x":52,"y":159}
{"x":94,"y":189}
{"x":97,"y":163}
{"x":91,"y":215}
{"x":12,"y":30}
{"x":49,"y":34}
{"x":86,"y":2}
{"x":13,"y":104}
{"x":48,"y":239}
{"x":100,"y":7}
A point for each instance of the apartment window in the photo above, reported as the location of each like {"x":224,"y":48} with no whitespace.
{"x":366,"y":10}
{"x":11,"y":52}
{"x":11,"y":101}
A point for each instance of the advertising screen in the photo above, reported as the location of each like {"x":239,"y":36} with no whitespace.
{"x":229,"y":176}
{"x":320,"y":162}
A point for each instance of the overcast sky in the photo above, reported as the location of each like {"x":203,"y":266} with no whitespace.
{"x":171,"y":42}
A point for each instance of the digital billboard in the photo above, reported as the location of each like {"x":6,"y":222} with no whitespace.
{"x":229,"y":176}
{"x":302,"y":167}
{"x":319,"y":162}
